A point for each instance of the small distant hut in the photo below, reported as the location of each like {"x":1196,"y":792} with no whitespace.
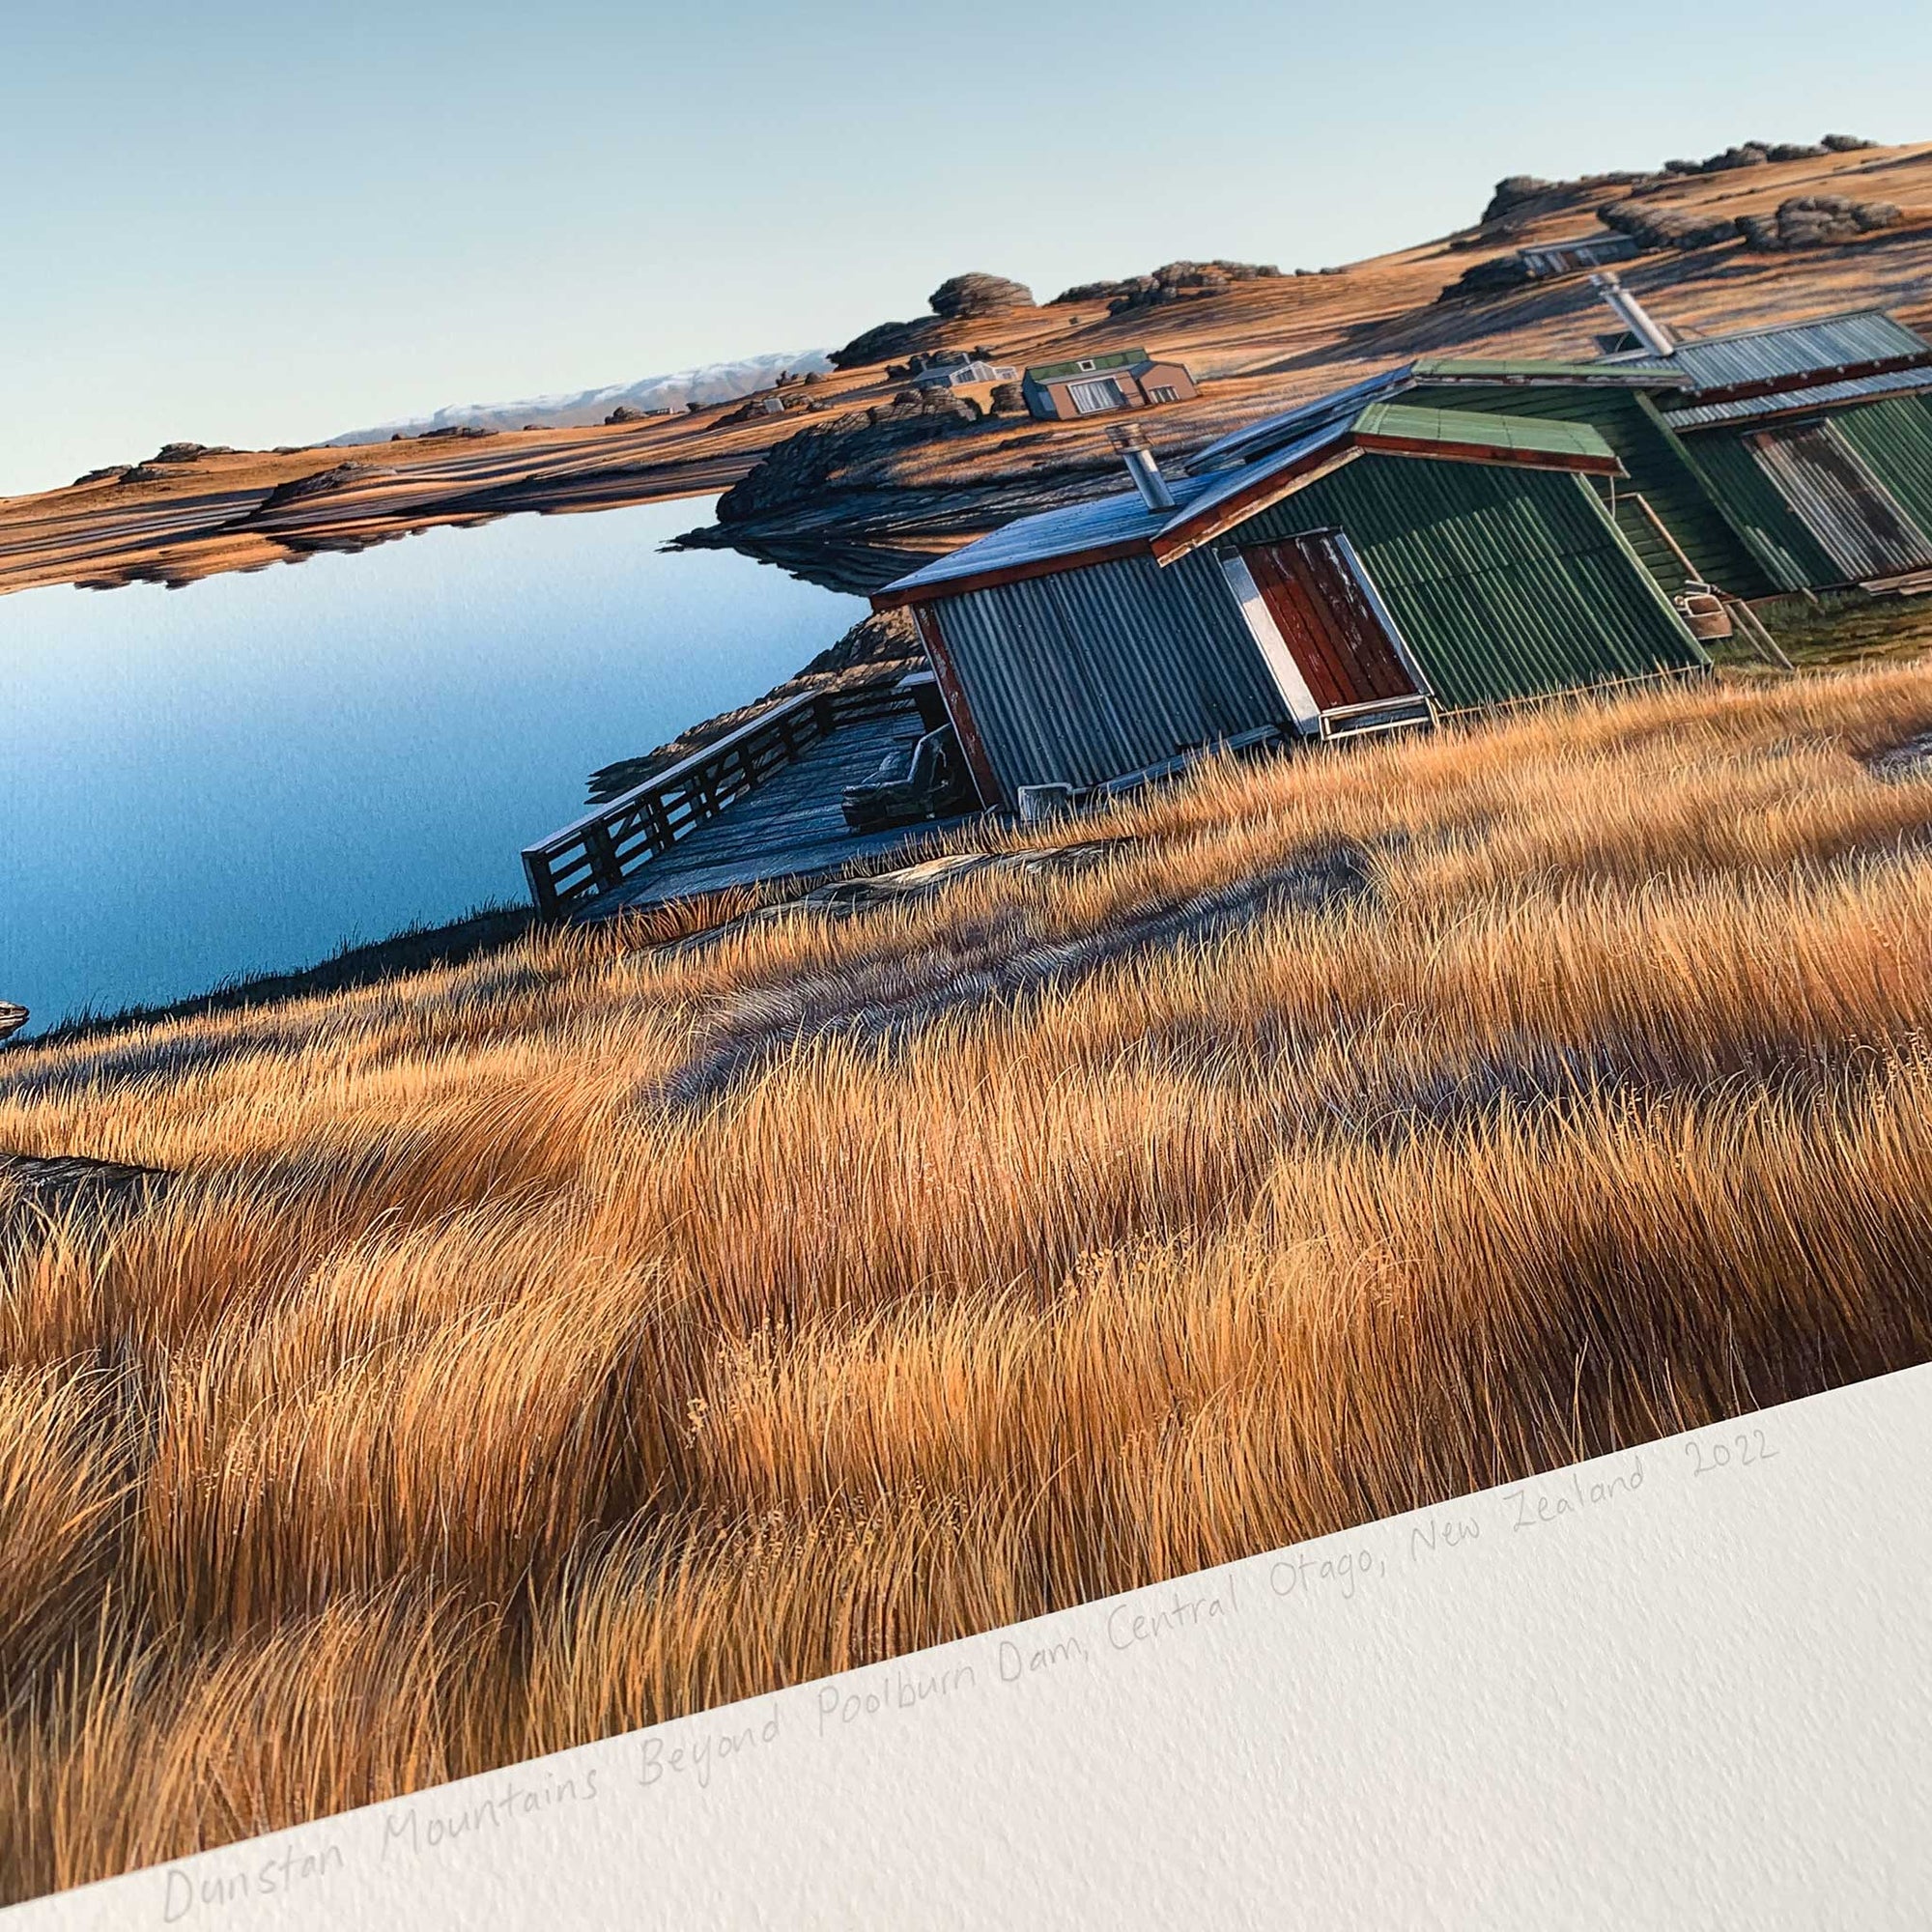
{"x":964,"y":372}
{"x":1091,"y":385}
{"x":1384,"y":564}
{"x":1542,"y":260}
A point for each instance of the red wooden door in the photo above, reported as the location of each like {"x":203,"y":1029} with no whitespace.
{"x":1326,"y":621}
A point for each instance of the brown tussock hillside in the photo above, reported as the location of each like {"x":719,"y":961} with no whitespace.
{"x":483,"y":1380}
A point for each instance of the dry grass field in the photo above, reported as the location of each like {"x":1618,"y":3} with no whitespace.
{"x":550,"y":1345}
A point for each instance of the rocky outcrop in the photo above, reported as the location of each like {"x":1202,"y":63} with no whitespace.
{"x":1757,"y":153}
{"x":969,"y":295}
{"x":318,"y":483}
{"x":1817,"y":221}
{"x":886,"y":342}
{"x":1172,"y":281}
{"x":958,"y":299}
{"x":1652,"y":227}
{"x":885,"y":636}
{"x":840,"y":452}
{"x":1491,"y":278}
{"x":1520,"y":199}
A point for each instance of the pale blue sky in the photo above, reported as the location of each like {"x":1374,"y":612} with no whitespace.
{"x":246,"y":224}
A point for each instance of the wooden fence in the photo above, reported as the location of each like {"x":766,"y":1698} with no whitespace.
{"x":605,"y":846}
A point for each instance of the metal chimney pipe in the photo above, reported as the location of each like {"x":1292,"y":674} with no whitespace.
{"x":1631,"y":313}
{"x":1127,"y":439}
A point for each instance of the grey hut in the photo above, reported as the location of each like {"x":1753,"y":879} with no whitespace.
{"x":1388,"y":564}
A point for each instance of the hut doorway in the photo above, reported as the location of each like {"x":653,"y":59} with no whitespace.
{"x":1862,"y":525}
{"x":1335,"y":627}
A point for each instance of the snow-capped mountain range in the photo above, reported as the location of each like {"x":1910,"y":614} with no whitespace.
{"x":713,"y":382}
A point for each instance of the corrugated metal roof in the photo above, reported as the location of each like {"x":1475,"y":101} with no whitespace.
{"x":1113,"y":524}
{"x":1079,"y":527}
{"x":1534,"y":369}
{"x":1781,"y":350}
{"x":1258,"y":439}
{"x":1521,"y":437}
{"x":1201,"y":509}
{"x":1246,"y":446}
{"x":1822,"y":396}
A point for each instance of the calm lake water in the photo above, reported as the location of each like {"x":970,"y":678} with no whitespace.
{"x":246,"y":774}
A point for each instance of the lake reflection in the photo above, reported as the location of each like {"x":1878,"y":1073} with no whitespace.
{"x":245,"y":773}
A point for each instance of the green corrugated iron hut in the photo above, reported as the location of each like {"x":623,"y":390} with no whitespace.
{"x":1389,"y":562}
{"x":1672,"y":515}
{"x":1816,"y":437}
{"x":1793,"y":457}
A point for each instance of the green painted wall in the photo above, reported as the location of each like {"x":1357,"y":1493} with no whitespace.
{"x":1507,"y":583}
{"x":1659,"y":468}
{"x":1894,"y":436}
{"x":1789,"y":551}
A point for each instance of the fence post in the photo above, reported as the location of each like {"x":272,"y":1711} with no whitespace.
{"x":603,"y":851}
{"x":542,"y":885}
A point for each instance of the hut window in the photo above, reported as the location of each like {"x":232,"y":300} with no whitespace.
{"x":1163,"y":393}
{"x":1091,"y":398}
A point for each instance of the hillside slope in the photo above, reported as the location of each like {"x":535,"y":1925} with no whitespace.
{"x":853,"y":510}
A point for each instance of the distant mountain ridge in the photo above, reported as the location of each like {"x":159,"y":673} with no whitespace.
{"x":713,"y":382}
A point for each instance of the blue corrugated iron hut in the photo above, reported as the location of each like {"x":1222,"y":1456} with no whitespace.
{"x":1385,"y":563}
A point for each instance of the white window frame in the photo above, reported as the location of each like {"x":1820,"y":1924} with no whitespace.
{"x":1086,"y":397}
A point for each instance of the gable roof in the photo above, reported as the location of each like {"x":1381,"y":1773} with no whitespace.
{"x":1088,"y":365}
{"x":1752,"y":362}
{"x":1788,"y":401}
{"x":1121,"y":526}
{"x":1244,"y":445}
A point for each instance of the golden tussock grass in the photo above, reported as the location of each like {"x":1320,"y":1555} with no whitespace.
{"x":547,"y":1345}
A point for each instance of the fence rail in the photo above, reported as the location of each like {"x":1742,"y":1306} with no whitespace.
{"x":602,"y":849}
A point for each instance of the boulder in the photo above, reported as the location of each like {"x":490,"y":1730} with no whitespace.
{"x":974,"y":293}
{"x":1513,"y":191}
{"x":1172,"y":281}
{"x":318,"y":483}
{"x":1007,"y":400}
{"x":1500,"y":271}
{"x":1667,"y":227}
{"x":1817,"y":221}
{"x":885,"y":342}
